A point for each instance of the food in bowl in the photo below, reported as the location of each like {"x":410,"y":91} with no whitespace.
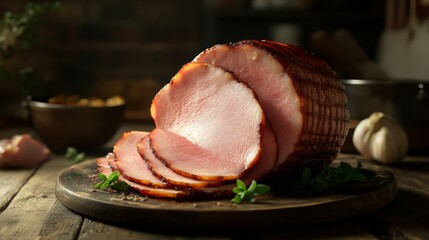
{"x":84,"y":127}
{"x":75,"y":100}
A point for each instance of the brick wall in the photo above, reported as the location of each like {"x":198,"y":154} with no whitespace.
{"x":109,"y":46}
{"x":134,"y":47}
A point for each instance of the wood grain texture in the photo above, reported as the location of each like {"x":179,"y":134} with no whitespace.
{"x":337,"y":231}
{"x":12,"y":179}
{"x":11,"y":182}
{"x":61,"y":223}
{"x":96,"y":230}
{"x":26,"y":214}
{"x":406,"y":216}
{"x":34,"y":213}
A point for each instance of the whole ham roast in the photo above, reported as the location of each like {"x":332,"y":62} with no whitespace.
{"x":253,"y":110}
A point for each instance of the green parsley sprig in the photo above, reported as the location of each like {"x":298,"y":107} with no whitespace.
{"x":111,"y":181}
{"x":248,"y":194}
{"x":332,"y":177}
{"x":73,"y":155}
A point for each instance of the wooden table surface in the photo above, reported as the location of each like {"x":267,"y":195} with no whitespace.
{"x":30,"y":210}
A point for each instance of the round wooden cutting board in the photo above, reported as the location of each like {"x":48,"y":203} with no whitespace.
{"x":74,"y":190}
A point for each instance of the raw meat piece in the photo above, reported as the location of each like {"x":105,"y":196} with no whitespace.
{"x":22,"y":151}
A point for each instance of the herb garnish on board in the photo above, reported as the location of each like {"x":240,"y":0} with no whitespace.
{"x":332,"y":177}
{"x":111,"y":181}
{"x":248,"y":194}
{"x":73,"y":155}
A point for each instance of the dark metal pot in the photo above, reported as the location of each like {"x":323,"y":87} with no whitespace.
{"x":405,"y":100}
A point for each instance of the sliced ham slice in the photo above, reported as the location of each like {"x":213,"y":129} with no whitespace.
{"x":104,"y":168}
{"x":195,"y":192}
{"x":160,"y":170}
{"x":304,"y":101}
{"x":202,"y":192}
{"x":129,"y":162}
{"x":112,"y":161}
{"x":209,"y":125}
{"x":200,"y":188}
{"x":266,"y":165}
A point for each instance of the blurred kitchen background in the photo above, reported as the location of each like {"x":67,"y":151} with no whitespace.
{"x":133,"y":47}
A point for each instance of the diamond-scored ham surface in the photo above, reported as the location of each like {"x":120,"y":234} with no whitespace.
{"x":303,"y":99}
{"x":254,"y":110}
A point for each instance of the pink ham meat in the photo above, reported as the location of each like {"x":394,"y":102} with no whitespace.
{"x":160,"y":170}
{"x":304,"y":101}
{"x":209,"y":125}
{"x":112,"y":162}
{"x":22,"y":151}
{"x":254,"y":110}
{"x":175,"y":191}
{"x":129,"y":162}
{"x":105,"y":168}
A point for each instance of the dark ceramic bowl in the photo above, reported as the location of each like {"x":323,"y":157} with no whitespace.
{"x":82,"y":127}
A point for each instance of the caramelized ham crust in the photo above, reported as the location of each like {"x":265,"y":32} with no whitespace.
{"x":304,"y":101}
{"x":254,"y":110}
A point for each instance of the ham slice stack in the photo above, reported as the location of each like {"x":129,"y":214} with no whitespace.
{"x":254,"y":110}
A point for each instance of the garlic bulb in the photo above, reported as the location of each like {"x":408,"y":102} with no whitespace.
{"x":381,"y":138}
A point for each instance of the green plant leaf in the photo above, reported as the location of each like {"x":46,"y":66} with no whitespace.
{"x":98,"y":185}
{"x":73,"y":155}
{"x":241,"y":185}
{"x":111,"y":181}
{"x":120,"y":186}
{"x":113,"y":177}
{"x":104,"y":185}
{"x":252,"y":186}
{"x":332,"y":177}
{"x":346,"y":168}
{"x":237,"y":190}
{"x":71,"y":152}
{"x":102,"y":177}
{"x":262,"y":189}
{"x":243,"y":194}
{"x":306,"y":175}
{"x":319,"y":185}
{"x":237,"y":199}
{"x":79,"y":157}
{"x":358,"y":178}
